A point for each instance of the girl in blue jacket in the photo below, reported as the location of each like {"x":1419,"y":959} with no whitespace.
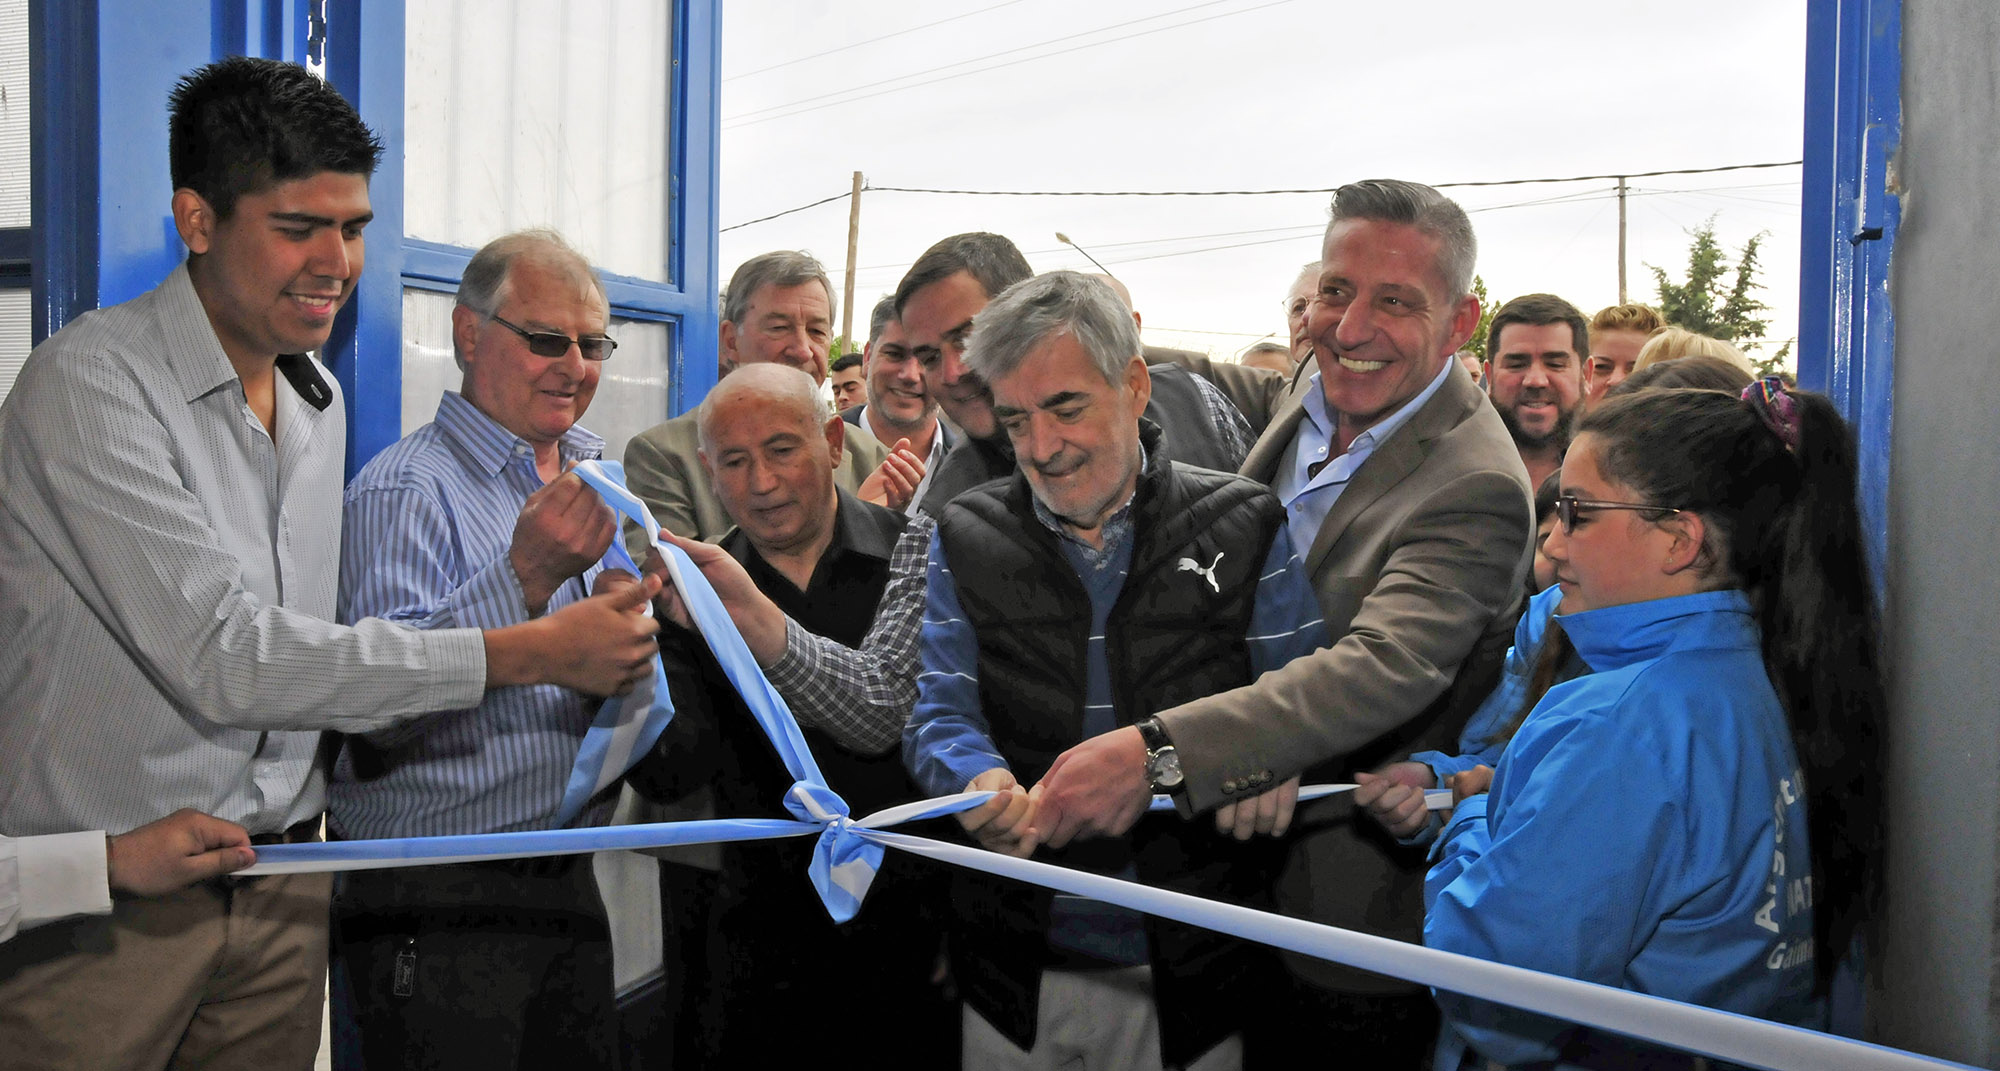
{"x":1694,"y":817}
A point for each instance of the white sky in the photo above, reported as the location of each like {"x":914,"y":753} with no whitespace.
{"x":1257,"y":94}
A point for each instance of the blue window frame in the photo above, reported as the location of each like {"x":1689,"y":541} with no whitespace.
{"x":1851,"y":207}
{"x":365,"y":60}
{"x":102,"y":233}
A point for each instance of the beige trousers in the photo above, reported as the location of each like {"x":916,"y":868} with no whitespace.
{"x":1089,"y":1021}
{"x":226,"y":975}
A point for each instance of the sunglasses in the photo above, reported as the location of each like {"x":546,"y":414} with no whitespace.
{"x":551,"y":344}
{"x":1568,"y":507}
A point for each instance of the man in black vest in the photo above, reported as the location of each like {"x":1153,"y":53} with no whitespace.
{"x":1100,"y":583}
{"x":937,"y":301}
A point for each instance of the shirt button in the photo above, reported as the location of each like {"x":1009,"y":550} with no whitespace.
{"x":1229,"y":788}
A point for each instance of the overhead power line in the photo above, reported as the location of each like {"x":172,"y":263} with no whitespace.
{"x":789,"y":211}
{"x":852,"y":94}
{"x":870,"y":41}
{"x":1326,"y":189}
{"x":1257,"y":193}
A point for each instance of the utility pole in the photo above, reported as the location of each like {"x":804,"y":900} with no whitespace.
{"x":1621,"y":240}
{"x":854,"y":243}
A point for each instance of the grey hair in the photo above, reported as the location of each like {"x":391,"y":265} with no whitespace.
{"x":885,"y":310}
{"x":781,"y":269}
{"x":1419,"y":206}
{"x":1055,"y":303}
{"x":776,"y":384}
{"x":485,"y":284}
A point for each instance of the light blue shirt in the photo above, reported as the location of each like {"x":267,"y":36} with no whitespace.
{"x":428,"y":526}
{"x":1308,"y":498}
{"x":948,"y":740}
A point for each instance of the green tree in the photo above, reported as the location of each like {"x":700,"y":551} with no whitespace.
{"x":1717,"y":299}
{"x":1486,"y":309}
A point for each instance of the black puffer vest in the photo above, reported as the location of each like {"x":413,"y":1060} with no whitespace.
{"x":1173,"y":636}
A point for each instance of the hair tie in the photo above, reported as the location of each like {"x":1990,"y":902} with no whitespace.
{"x":1773,"y":403}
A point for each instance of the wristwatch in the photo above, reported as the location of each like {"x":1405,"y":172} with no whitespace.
{"x":1163,"y":763}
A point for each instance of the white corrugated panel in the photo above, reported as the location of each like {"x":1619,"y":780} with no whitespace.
{"x":16,"y":332}
{"x":539,"y":113}
{"x":14,"y":104}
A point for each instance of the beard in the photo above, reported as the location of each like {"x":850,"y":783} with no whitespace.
{"x":1557,"y":437}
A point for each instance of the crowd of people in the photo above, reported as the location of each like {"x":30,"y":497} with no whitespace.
{"x":1602,"y":584}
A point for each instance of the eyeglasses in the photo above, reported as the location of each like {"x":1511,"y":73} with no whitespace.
{"x":551,"y":344}
{"x":1569,"y":506}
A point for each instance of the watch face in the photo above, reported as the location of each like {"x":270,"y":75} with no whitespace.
{"x":1164,"y":768}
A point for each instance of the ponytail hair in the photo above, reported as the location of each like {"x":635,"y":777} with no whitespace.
{"x":1773,"y":475}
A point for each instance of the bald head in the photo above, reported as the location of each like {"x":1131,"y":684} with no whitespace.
{"x":1124,"y":295}
{"x":781,"y":393}
{"x":770,"y":454}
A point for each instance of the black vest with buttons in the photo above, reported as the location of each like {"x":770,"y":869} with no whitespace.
{"x":1174,"y":635}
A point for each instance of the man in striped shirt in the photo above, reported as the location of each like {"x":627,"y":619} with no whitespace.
{"x":472,"y":520}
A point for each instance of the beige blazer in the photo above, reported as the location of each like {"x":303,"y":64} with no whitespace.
{"x":1419,"y":570}
{"x":663,"y":467}
{"x":1257,"y":393}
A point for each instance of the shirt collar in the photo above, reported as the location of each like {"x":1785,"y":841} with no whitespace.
{"x":198,"y":359}
{"x":854,"y":529}
{"x":491,"y":446}
{"x":1618,"y":636}
{"x":1116,"y":527}
{"x":854,"y":532}
{"x":1322,"y":418}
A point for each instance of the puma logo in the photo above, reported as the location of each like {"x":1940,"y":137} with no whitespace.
{"x":1189,"y":565}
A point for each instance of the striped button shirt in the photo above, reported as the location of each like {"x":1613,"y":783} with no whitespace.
{"x":167,"y":584}
{"x":428,"y":525}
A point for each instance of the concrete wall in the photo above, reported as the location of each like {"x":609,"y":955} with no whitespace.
{"x":1944,"y":542}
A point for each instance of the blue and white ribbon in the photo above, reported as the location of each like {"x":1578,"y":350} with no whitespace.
{"x":850,"y":851}
{"x":626,"y":726}
{"x":1436,"y":799}
{"x":843,"y":865}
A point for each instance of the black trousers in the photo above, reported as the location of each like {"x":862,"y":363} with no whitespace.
{"x":1378,"y":1032}
{"x":485,"y":966}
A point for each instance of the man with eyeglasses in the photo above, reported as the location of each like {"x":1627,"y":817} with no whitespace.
{"x":473,"y":520}
{"x":1298,"y":301}
{"x":169,"y":550}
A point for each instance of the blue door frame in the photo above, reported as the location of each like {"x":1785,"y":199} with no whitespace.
{"x":1852,"y":208}
{"x":102,"y":232}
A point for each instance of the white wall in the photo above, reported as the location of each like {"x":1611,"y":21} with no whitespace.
{"x":1943,"y":573}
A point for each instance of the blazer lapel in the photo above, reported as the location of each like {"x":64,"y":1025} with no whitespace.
{"x":1269,"y":450}
{"x":1392,"y":462}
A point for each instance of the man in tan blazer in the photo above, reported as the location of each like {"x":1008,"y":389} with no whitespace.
{"x":778,"y":310}
{"x":1410,"y":503}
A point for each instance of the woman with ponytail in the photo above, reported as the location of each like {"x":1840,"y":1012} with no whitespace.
{"x":1690,"y":807}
